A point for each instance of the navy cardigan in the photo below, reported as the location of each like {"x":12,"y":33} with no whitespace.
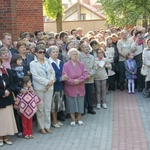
{"x":58,"y":85}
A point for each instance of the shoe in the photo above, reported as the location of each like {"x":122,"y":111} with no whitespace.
{"x":72,"y":123}
{"x":26,"y":137}
{"x":59,"y":123}
{"x":48,"y":131}
{"x":7,"y":142}
{"x":92,"y":112}
{"x":80,"y":122}
{"x":1,"y":143}
{"x":132,"y":92}
{"x":98,"y":106}
{"x":20,"y":134}
{"x":42,"y":131}
{"x":129,"y":92}
{"x":31,"y":136}
{"x":56,"y":125}
{"x":104,"y":105}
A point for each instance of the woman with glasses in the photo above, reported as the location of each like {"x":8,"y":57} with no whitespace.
{"x":43,"y":79}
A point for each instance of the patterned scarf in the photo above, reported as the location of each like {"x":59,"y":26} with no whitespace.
{"x":19,"y":71}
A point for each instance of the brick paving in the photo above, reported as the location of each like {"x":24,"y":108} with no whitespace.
{"x":144,"y":107}
{"x":128,"y":130}
{"x":125,"y":125}
{"x":95,"y":134}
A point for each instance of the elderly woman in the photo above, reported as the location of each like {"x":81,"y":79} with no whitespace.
{"x":43,"y":79}
{"x":4,"y":53}
{"x":146,"y":60}
{"x":57,"y":102}
{"x":74,"y":86}
{"x":7,"y":122}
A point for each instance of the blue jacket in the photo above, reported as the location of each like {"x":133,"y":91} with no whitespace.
{"x":128,"y":72}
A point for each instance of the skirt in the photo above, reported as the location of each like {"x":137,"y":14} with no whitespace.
{"x":58,"y":102}
{"x":7,"y":121}
{"x":75,"y":104}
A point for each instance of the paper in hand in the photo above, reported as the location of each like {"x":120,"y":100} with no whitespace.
{"x":101,"y":63}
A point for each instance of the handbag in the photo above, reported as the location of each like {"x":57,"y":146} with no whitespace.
{"x":144,"y":71}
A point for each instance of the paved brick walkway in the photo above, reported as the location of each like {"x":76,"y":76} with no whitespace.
{"x":144,"y":107}
{"x":128,"y":131}
{"x":125,"y":125}
{"x":95,"y":134}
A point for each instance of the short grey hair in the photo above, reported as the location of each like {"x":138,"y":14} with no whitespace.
{"x":51,"y":48}
{"x":71,"y":51}
{"x":3,"y":49}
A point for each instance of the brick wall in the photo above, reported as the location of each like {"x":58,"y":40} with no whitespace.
{"x":20,"y":15}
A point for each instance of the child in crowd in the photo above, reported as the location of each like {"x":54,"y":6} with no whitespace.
{"x":18,"y":73}
{"x":101,"y":77}
{"x":26,"y":104}
{"x":130,"y":73}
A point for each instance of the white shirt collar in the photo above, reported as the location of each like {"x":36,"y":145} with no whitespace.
{"x":52,"y":61}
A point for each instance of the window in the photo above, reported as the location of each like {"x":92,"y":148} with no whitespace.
{"x":83,"y":16}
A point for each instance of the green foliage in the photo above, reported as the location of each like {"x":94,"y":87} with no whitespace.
{"x":52,"y":8}
{"x":125,"y":12}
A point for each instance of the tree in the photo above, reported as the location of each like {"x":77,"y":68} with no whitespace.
{"x":126,"y":12}
{"x":54,"y":9}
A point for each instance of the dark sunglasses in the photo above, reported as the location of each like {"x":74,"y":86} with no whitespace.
{"x":41,"y":52}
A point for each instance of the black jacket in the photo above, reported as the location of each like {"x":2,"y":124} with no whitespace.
{"x":17,"y":81}
{"x":9,"y":86}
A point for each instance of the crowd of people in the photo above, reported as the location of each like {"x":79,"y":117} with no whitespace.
{"x":53,"y":76}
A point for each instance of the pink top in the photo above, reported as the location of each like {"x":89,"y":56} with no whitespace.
{"x":7,"y":65}
{"x":74,"y":72}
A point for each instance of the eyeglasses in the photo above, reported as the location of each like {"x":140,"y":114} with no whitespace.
{"x":41,"y":52}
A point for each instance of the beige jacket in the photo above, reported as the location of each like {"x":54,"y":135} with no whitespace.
{"x":101,"y":73}
{"x":146,"y":61}
{"x":42,"y":74}
{"x":89,"y":63}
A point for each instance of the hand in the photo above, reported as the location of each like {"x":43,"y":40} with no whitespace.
{"x":49,"y":84}
{"x":7,"y":93}
{"x":31,"y":89}
{"x":106,"y":65}
{"x":29,"y":73}
{"x":89,"y":76}
{"x":76,"y":81}
{"x":24,"y":91}
{"x":65,"y":77}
